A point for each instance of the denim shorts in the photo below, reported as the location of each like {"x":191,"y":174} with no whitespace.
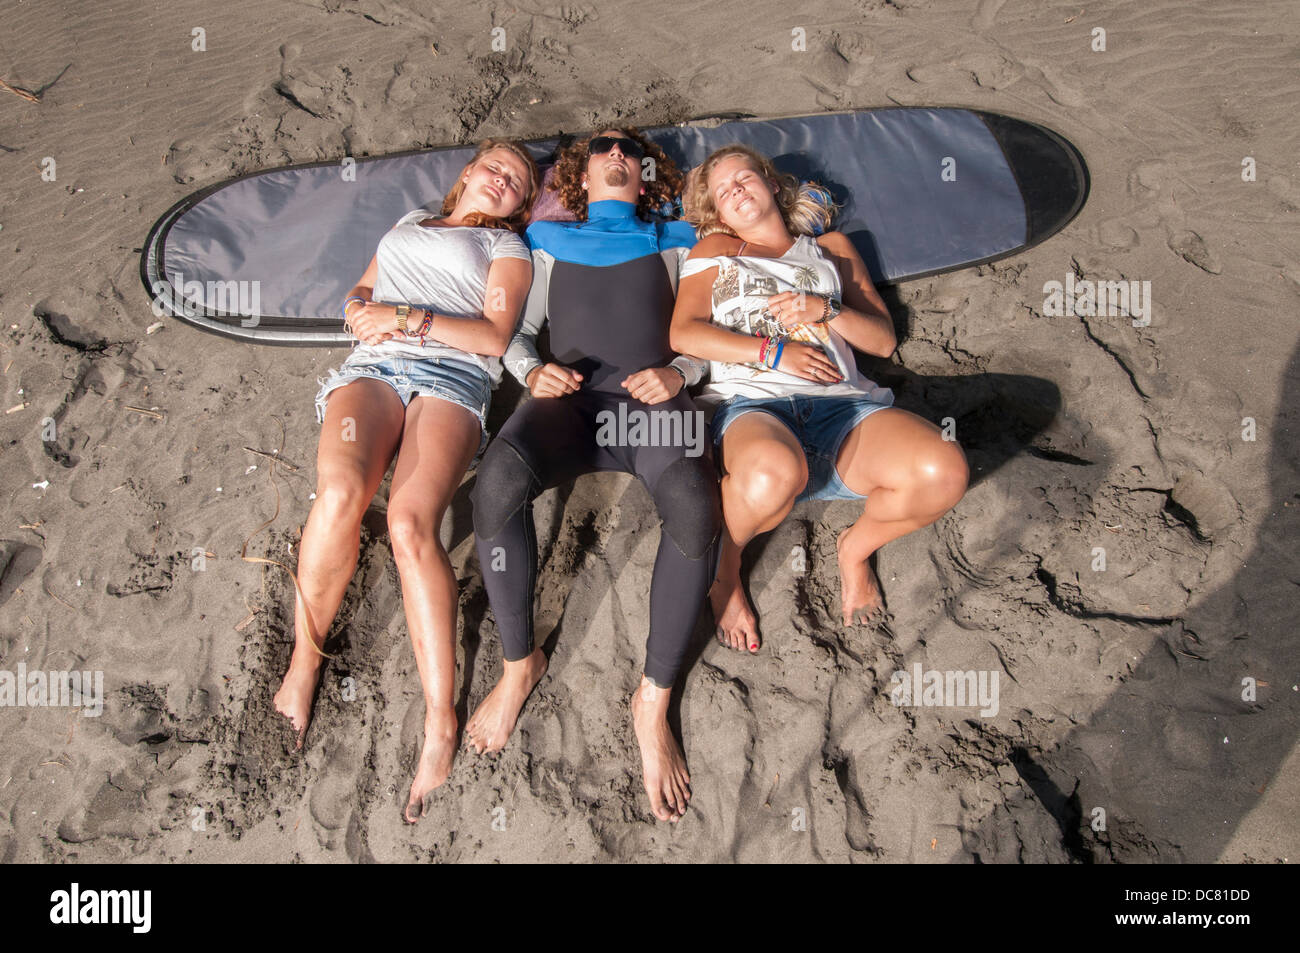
{"x":820,"y":424}
{"x":463,"y":384}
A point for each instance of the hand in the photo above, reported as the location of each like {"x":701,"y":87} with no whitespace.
{"x":372,"y":323}
{"x":654,"y":385}
{"x":552,"y":380}
{"x":793,"y":308}
{"x":808,"y":362}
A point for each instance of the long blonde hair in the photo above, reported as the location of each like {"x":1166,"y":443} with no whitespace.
{"x":518,"y":220}
{"x":805,"y":206}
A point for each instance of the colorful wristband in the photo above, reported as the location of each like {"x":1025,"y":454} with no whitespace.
{"x":349,"y":301}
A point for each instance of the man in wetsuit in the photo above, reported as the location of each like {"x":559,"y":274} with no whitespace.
{"x":606,"y":283}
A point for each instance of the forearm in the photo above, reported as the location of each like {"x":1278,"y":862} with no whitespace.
{"x":869,"y":332}
{"x":521,"y":357}
{"x":476,"y":335}
{"x":703,"y":339}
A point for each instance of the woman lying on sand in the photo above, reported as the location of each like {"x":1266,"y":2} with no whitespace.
{"x":434,"y":312}
{"x":779,"y":314}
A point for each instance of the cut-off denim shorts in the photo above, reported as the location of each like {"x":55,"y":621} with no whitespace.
{"x":464,"y":384}
{"x":820,"y":424}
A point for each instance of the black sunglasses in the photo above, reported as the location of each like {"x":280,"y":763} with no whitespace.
{"x":602,"y":144}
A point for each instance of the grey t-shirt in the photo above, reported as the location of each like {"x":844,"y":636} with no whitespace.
{"x":444,"y":269}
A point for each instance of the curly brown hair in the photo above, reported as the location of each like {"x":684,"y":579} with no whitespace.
{"x":664,"y":184}
{"x":516,"y":222}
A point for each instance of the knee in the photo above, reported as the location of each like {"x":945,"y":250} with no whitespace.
{"x":342,"y":497}
{"x":769,"y":485}
{"x":504,"y":483}
{"x":413,"y":536}
{"x":943,"y":472}
{"x":686,"y":497}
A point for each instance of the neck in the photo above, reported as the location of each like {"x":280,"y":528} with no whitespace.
{"x":769,"y":232}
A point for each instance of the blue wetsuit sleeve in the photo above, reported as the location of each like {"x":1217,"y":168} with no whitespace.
{"x":521,"y":354}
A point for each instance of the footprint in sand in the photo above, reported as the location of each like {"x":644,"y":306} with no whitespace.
{"x":1056,"y":90}
{"x":1191,"y":247}
{"x":991,"y":72}
{"x":1116,"y":234}
{"x":331,"y":793}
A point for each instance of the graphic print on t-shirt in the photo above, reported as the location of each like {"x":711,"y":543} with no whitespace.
{"x":740,"y":298}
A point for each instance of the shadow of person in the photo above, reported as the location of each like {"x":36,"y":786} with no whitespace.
{"x":1170,"y":765}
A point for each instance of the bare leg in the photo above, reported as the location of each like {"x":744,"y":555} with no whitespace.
{"x":662,"y":763}
{"x":494,"y":720}
{"x":911,"y":476}
{"x":363,"y":423}
{"x":765,"y":472}
{"x":438,"y":443}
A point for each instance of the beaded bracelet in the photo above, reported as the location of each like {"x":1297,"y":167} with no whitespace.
{"x":762,"y":351}
{"x":425,"y":325}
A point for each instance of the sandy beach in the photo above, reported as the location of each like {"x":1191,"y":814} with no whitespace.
{"x":1148,"y":711}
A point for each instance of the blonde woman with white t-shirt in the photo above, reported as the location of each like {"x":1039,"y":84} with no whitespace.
{"x":433,"y":313}
{"x":778,"y":314}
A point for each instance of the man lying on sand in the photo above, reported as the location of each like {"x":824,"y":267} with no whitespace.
{"x":606,"y":284}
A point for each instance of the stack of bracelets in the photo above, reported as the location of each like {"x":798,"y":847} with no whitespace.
{"x":769,"y":352}
{"x":419,"y":332}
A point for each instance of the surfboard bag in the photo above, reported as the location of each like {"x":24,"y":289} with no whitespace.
{"x":269,"y":257}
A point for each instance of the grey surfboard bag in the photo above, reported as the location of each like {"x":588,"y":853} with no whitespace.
{"x":269,"y":256}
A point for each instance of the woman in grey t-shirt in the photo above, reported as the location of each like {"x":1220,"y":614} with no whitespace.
{"x":433,"y":312}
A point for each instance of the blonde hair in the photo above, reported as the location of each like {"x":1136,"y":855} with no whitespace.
{"x":806,"y":207}
{"x":517,"y":221}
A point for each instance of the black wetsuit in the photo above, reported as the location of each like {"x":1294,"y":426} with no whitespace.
{"x":607,"y":287}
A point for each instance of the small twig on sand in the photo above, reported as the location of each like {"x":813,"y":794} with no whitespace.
{"x":21,"y":93}
{"x":252,"y":613}
{"x":46,"y":587}
{"x":141,"y":410}
{"x":271,"y":456}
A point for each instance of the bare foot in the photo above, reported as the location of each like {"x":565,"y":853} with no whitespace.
{"x":491,"y":724}
{"x":860,"y":596}
{"x":294,"y":698}
{"x":663,"y":765}
{"x":737,"y":623}
{"x":435,"y":761}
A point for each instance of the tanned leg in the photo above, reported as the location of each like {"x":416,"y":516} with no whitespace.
{"x":911,"y":476}
{"x":363,"y":423}
{"x":765,"y":471}
{"x":438,"y":444}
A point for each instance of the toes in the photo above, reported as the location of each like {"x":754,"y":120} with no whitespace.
{"x":658,"y":809}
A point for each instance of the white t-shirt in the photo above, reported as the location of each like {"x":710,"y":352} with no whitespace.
{"x":444,"y":269}
{"x":740,"y":294}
